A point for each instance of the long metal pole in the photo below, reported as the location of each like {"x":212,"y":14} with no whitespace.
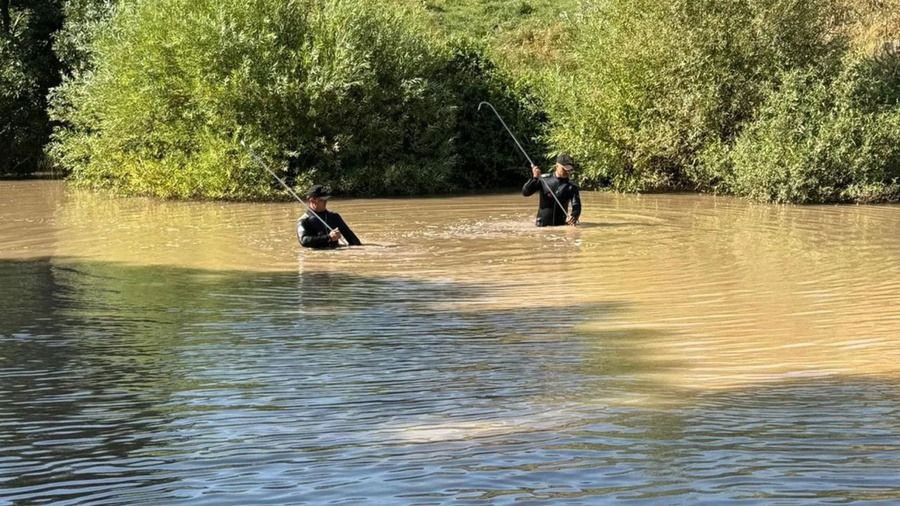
{"x":550,"y":191}
{"x":288,"y":188}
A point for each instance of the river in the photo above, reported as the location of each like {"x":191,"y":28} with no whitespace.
{"x":671,"y":349}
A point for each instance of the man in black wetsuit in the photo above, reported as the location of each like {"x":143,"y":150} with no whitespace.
{"x":550,"y":212}
{"x":313,"y":233}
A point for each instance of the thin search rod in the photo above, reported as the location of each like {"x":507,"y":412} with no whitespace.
{"x":552,"y":194}
{"x":508,"y":130}
{"x":288,"y":188}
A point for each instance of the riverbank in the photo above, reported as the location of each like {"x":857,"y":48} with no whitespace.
{"x":801,"y":105}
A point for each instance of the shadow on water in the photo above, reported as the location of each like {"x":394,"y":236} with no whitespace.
{"x":798,"y":442}
{"x":806,"y":441}
{"x":169,"y":385}
{"x":108,"y":370}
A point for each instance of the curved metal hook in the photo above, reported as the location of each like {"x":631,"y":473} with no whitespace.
{"x":507,"y":129}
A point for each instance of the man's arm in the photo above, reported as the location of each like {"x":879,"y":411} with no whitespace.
{"x":531,"y":187}
{"x":576,"y":205}
{"x":533,"y":184}
{"x":348,"y":234}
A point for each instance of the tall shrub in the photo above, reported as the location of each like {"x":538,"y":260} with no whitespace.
{"x":334,"y":90}
{"x":487,"y":157}
{"x":654,"y":85}
{"x":83,"y":21}
{"x":825,"y":137}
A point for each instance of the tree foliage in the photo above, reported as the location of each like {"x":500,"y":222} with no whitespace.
{"x":654,"y":83}
{"x":346,"y":92}
{"x":758,"y":98}
{"x":824,"y":137}
{"x":747,"y":98}
{"x":84,"y":20}
{"x":28,"y":68}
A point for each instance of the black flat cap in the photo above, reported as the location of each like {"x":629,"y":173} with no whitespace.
{"x":565,"y":159}
{"x":319,"y":191}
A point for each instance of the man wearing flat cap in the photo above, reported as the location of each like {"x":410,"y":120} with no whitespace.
{"x":311,"y":227}
{"x":557,"y":191}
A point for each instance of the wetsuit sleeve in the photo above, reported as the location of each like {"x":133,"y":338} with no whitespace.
{"x":576,"y":203}
{"x":533,"y":185}
{"x":348,"y":234}
{"x":310,"y":239}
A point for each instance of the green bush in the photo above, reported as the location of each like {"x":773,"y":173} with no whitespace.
{"x":73,"y":43}
{"x":352,"y":93}
{"x":653,"y":87}
{"x":822,"y":137}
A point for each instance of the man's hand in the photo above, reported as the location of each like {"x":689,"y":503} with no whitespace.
{"x":535,"y":171}
{"x":572,"y":221}
{"x":335,"y":235}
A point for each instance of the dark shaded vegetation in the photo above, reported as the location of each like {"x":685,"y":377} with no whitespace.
{"x":28,"y":68}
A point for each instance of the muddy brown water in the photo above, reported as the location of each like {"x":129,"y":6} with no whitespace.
{"x":672,"y":349}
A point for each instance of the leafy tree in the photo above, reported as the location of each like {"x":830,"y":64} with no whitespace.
{"x":654,"y":84}
{"x":351,"y":93}
{"x":84,"y":19}
{"x":28,"y":68}
{"x":824,"y":136}
{"x":5,"y":20}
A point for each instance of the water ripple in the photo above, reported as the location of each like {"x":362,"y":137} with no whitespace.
{"x":673,"y":349}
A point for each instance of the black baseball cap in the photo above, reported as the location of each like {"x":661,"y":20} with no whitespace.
{"x":318,"y":191}
{"x":565,"y":159}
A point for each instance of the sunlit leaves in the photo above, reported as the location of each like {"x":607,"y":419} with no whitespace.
{"x":337,"y":89}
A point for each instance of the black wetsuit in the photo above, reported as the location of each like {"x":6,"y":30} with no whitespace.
{"x":550,"y":214}
{"x":313,"y":234}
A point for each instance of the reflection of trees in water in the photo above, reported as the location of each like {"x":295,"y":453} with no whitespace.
{"x":624,"y":366}
{"x":65,"y":401}
{"x":798,"y":440}
{"x":27,"y":291}
{"x":836,"y":437}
